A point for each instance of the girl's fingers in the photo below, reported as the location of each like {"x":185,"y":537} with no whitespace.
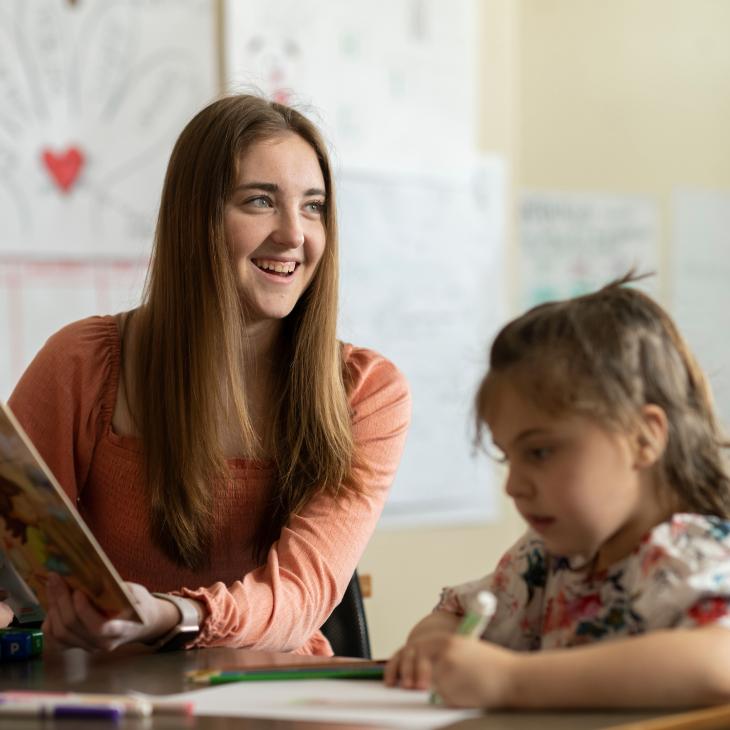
{"x":409,"y":663}
{"x":390,"y":674}
{"x":422,"y":672}
{"x":410,"y":667}
{"x":394,"y":669}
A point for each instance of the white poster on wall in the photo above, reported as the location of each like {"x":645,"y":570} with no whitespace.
{"x":93,"y":95}
{"x":422,"y":283}
{"x":701,"y":283}
{"x":37,"y":298}
{"x":573,"y":243}
{"x":393,"y":84}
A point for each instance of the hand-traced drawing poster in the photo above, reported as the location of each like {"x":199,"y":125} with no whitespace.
{"x":393,"y":84}
{"x":421,"y":283}
{"x":573,"y":243}
{"x":700,"y":288}
{"x":94,"y":93}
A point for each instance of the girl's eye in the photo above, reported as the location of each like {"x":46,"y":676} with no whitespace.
{"x":539,"y":453}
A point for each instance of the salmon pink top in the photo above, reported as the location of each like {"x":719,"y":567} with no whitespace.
{"x":65,"y":401}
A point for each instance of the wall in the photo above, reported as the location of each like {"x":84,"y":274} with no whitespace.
{"x":409,"y":567}
{"x":626,"y":97}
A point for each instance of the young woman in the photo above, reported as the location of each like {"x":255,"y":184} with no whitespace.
{"x":222,"y":445}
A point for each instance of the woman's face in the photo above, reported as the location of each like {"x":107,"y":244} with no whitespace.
{"x":275,"y":224}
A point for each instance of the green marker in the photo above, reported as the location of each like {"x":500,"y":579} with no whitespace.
{"x":475,"y":621}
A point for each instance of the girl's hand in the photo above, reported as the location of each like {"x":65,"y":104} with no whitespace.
{"x":467,"y":672}
{"x":73,"y":621}
{"x":409,"y":667}
{"x":463,"y":671}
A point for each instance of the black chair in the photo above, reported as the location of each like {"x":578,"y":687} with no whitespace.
{"x":346,"y":629}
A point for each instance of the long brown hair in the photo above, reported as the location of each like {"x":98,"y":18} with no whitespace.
{"x":605,"y":355}
{"x":192,"y":336}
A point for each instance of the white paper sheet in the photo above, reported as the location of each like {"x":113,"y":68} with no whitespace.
{"x":573,"y":243}
{"x":393,"y":84}
{"x":37,"y":298}
{"x":422,"y":283}
{"x":93,"y":96}
{"x":326,"y":700}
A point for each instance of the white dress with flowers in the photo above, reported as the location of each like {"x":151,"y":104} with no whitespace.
{"x":678,"y":576}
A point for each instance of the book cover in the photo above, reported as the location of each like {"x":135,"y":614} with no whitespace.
{"x":43,"y":533}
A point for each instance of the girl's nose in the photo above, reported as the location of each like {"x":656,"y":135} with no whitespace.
{"x":518,"y":486}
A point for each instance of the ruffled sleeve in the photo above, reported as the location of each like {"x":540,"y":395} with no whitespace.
{"x":518,"y":583}
{"x":64,"y":398}
{"x":684,"y":573}
{"x":281,"y":604}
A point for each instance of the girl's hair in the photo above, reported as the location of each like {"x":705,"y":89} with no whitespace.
{"x":605,"y":355}
{"x":189,"y":364}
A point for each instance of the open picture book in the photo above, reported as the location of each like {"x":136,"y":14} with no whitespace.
{"x":42,"y":533}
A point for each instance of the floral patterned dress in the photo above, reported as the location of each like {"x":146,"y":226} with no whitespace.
{"x":678,"y":576}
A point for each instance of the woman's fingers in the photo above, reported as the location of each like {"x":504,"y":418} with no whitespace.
{"x":65,"y":624}
{"x":60,"y":636}
{"x":6,"y":613}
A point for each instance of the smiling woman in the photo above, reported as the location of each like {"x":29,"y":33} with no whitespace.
{"x":222,"y":445}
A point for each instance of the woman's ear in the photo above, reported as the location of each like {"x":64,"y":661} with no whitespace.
{"x":651,"y":436}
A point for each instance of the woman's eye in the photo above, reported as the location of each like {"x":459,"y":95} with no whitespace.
{"x":315,"y":206}
{"x":260,"y":201}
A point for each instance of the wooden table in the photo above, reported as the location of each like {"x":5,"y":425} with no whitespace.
{"x":163,"y":674}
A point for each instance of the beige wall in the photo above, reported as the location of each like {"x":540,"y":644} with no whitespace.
{"x":409,"y":567}
{"x":615,"y":96}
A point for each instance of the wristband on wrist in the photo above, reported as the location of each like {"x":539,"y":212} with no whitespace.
{"x":185,"y":630}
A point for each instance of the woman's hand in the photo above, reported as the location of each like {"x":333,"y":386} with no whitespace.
{"x":72,"y":620}
{"x":463,"y":671}
{"x":6,"y":613}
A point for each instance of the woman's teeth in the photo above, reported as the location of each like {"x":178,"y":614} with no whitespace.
{"x":278,"y":267}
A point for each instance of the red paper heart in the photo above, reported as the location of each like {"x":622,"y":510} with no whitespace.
{"x":64,"y":167}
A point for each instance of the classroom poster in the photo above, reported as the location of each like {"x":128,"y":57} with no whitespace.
{"x":94,"y":94}
{"x":38,"y":297}
{"x":573,"y":243}
{"x":699,"y":283}
{"x":422,"y":284}
{"x":393,"y":84}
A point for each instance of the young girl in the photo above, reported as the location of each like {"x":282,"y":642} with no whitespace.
{"x":619,"y":592}
{"x":222,"y":445}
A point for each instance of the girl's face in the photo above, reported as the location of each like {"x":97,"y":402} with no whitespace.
{"x":274,"y":223}
{"x":576,"y":483}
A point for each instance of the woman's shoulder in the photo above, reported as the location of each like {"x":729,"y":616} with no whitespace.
{"x":79,"y":357}
{"x":88,"y":334}
{"x":370,"y":374}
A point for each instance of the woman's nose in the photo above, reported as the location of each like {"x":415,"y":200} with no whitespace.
{"x":289,"y":231}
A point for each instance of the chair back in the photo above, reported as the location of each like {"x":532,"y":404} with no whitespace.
{"x":346,"y":629}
